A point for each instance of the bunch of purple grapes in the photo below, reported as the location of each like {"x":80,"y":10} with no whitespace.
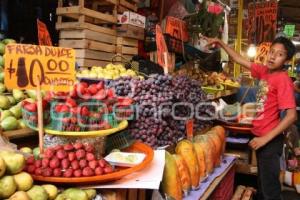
{"x":155,"y":99}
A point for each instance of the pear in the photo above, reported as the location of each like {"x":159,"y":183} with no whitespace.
{"x":2,"y":88}
{"x":5,"y":114}
{"x":11,"y":99}
{"x":15,"y":162}
{"x":21,"y":124}
{"x":91,"y":193}
{"x":76,"y":194}
{"x":24,"y":181}
{"x":2,"y":167}
{"x":9,"y":123}
{"x":27,"y":150}
{"x":36,"y":152}
{"x":20,"y":195}
{"x":31,"y":94}
{"x":51,"y":190}
{"x":7,"y":186}
{"x":37,"y":193}
{"x":18,"y":95}
{"x":4,"y":102}
{"x":62,"y":197}
{"x":16,"y":111}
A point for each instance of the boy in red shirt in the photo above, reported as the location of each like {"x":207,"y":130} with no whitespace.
{"x":275,"y":94}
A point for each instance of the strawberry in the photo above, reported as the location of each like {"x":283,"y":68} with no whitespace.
{"x":100,"y":95}
{"x":81,"y":88}
{"x":71,"y":156}
{"x":98,"y":171}
{"x":71,"y":102}
{"x":30,"y":160}
{"x":31,"y":169}
{"x":111,"y":93}
{"x":93,"y":164}
{"x":108,"y":169}
{"x":38,"y":163}
{"x":30,"y":107}
{"x":57,"y":108}
{"x":75,"y":164}
{"x":68,"y":173}
{"x":77,"y":173}
{"x":57,"y":172}
{"x":38,"y":171}
{"x":100,"y":85}
{"x":93,"y":89}
{"x":85,"y":111}
{"x":64,"y":109}
{"x":78,"y":145}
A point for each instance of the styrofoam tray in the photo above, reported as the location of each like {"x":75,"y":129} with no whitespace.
{"x":125,"y":159}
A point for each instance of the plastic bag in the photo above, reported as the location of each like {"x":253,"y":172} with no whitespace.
{"x":5,"y":144}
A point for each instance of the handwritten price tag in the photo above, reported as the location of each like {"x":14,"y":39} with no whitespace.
{"x":28,"y":65}
{"x":190,"y":129}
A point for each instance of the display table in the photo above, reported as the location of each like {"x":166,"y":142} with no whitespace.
{"x":209,"y":185}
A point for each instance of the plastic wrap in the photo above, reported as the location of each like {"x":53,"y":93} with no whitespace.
{"x":97,"y":142}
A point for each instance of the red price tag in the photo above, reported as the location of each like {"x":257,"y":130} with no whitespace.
{"x":190,"y":129}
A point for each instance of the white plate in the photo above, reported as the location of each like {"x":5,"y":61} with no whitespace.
{"x":124,"y":159}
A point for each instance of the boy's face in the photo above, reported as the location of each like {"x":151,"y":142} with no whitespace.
{"x":276,"y":57}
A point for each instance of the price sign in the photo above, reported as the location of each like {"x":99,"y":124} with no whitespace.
{"x":27,"y":66}
{"x":262,"y":52}
{"x":190,"y":129}
{"x":43,"y":34}
{"x":289,"y":30}
{"x":177,"y":28}
{"x":163,"y":57}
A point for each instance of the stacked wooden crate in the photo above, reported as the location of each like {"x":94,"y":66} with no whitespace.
{"x":125,"y":5}
{"x":89,"y":28}
{"x":128,"y":34}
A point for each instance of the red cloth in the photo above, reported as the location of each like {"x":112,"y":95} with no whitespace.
{"x":276,"y":93}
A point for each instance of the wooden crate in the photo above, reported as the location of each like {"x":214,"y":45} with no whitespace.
{"x":126,"y":5}
{"x":92,"y":48}
{"x":130,"y":31}
{"x":127,"y":47}
{"x":93,"y":15}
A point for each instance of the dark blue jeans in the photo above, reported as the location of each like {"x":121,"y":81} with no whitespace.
{"x":268,"y":163}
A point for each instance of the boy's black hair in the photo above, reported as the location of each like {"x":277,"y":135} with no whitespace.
{"x":288,"y":45}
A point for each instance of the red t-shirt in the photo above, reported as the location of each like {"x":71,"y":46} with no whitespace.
{"x":275,"y":93}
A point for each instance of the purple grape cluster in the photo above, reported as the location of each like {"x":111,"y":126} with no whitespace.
{"x":154,"y":99}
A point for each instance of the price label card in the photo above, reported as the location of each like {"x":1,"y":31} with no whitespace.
{"x":27,"y":65}
{"x":289,"y":30}
{"x":190,"y":129}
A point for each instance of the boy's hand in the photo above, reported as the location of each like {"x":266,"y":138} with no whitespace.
{"x":258,"y":142}
{"x":211,"y":42}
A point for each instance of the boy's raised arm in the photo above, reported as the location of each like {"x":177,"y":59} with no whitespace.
{"x":232,"y":53}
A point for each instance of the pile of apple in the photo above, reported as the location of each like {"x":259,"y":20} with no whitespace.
{"x":69,"y":160}
{"x":110,"y":71}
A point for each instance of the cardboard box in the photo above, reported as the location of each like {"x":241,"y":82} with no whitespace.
{"x":132,"y":18}
{"x":130,"y":31}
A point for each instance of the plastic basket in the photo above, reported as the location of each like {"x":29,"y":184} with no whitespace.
{"x":28,"y":116}
{"x":110,"y":119}
{"x":119,"y":140}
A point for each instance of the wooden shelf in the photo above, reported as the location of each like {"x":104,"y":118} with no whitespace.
{"x":25,"y":132}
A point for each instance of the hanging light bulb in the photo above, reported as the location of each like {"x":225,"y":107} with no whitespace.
{"x":251,"y":51}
